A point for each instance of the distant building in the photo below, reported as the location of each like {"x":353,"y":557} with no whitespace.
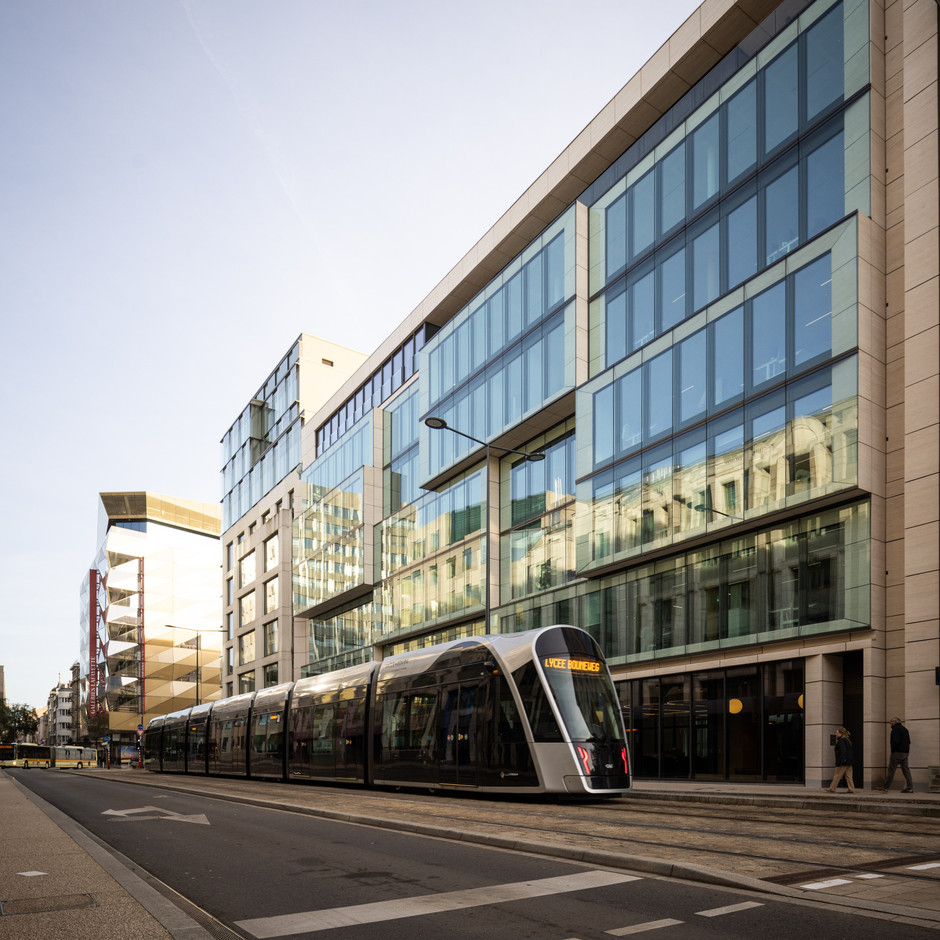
{"x":58,"y":730}
{"x":261,"y":455}
{"x":79,"y":718}
{"x":42,"y":727}
{"x":151,"y":614}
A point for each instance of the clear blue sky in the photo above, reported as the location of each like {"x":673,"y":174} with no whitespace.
{"x":186,"y":185}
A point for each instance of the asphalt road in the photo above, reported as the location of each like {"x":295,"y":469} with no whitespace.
{"x":266,"y":872}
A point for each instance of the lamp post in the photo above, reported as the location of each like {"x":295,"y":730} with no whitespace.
{"x":439,"y":424}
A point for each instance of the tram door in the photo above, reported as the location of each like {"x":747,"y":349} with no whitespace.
{"x":460,"y":722}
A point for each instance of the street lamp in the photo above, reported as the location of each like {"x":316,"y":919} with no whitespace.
{"x":439,"y":424}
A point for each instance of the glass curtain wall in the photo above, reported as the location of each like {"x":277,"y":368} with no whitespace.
{"x":743,"y":724}
{"x":799,"y":578}
{"x":434,"y":557}
{"x":751,"y":409}
{"x":537,"y":551}
{"x":328,"y":533}
{"x":763,"y":166}
{"x":263,"y":444}
{"x":506,"y":354}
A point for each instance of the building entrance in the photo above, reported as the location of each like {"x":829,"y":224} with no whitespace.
{"x":741,"y":724}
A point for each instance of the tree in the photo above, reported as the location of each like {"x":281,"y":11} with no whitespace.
{"x":17,"y":721}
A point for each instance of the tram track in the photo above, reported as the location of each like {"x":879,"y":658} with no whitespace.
{"x":744,"y":837}
{"x":730,"y":837}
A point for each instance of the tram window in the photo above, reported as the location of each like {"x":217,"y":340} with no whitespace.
{"x":321,"y":743}
{"x":539,"y":710}
{"x":510,"y":721}
{"x":301,"y":719}
{"x":408,"y":720}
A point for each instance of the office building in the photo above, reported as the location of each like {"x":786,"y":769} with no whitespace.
{"x":713,"y":321}
{"x":261,"y":458}
{"x":151,"y":632}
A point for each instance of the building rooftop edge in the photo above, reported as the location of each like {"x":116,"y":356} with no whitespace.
{"x":711,"y":31}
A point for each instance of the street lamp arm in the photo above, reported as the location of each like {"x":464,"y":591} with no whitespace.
{"x":439,"y":424}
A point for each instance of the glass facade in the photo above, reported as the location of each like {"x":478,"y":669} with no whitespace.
{"x":434,"y":557}
{"x":744,"y":724}
{"x":506,"y":355}
{"x":263,"y":445}
{"x":682,"y":348}
{"x":151,"y":623}
{"x":537,"y":521}
{"x":394,"y":372}
{"x":328,"y":536}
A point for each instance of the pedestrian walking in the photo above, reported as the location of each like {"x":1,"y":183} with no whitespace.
{"x":900,"y":751}
{"x":845,"y":758}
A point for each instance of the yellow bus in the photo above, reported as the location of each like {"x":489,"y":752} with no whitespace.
{"x":74,"y":756}
{"x":20,"y":754}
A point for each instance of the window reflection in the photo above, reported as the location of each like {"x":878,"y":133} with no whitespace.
{"x":541,"y":547}
{"x":795,"y":443}
{"x":789,"y":579}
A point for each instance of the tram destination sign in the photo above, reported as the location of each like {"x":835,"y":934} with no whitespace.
{"x":571,"y":664}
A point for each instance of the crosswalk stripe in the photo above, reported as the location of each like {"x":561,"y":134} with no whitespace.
{"x":310,"y":921}
{"x":642,"y":928}
{"x":730,"y":909}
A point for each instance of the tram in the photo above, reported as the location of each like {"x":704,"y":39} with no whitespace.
{"x":532,"y":712}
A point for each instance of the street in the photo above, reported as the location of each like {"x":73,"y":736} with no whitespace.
{"x":265,"y":872}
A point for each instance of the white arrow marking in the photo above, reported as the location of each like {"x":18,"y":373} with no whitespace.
{"x":140,"y":809}
{"x":200,"y":819}
{"x":160,"y":812}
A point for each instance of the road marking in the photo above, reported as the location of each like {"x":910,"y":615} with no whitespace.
{"x":730,"y":909}
{"x":869,"y":875}
{"x":820,"y":885}
{"x":31,"y":874}
{"x":310,"y":921}
{"x":642,"y":928}
{"x":135,"y":815}
{"x":923,"y":867}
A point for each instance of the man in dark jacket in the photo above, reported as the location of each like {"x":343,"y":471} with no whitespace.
{"x":900,"y":751}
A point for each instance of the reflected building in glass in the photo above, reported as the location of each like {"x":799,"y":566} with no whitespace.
{"x":714,"y":319}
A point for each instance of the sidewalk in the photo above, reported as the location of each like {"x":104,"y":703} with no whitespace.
{"x":56,"y":879}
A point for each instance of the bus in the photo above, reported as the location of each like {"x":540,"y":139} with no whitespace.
{"x":73,"y":756}
{"x":20,"y":754}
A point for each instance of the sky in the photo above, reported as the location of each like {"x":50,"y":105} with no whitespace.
{"x":187,"y":185}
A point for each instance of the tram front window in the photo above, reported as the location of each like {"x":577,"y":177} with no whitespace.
{"x":585,"y":700}
{"x":581,"y":687}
